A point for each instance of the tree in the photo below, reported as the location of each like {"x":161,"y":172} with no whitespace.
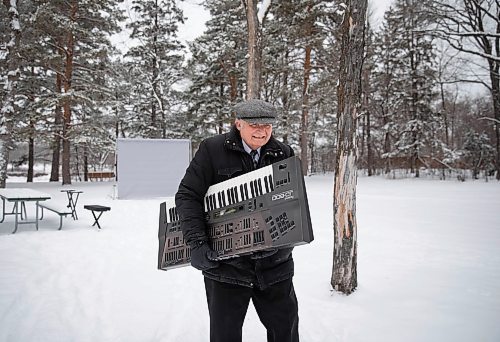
{"x":78,"y":35}
{"x":302,"y":34}
{"x":478,"y":151}
{"x":8,"y":109}
{"x":216,"y":71}
{"x":254,"y":61}
{"x":156,"y":64}
{"x":344,"y":271}
{"x":405,"y":71}
{"x":472,"y":27}
{"x":366,"y":143}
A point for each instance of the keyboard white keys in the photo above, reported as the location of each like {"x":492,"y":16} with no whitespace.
{"x":241,"y":188}
{"x":171,"y":210}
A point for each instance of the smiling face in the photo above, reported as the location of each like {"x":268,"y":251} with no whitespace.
{"x":254,"y":135}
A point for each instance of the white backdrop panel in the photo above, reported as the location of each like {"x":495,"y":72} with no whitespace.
{"x":149,"y":168}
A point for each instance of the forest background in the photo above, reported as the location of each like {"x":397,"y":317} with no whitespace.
{"x":430,"y":83}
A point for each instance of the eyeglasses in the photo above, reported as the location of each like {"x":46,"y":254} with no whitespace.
{"x":261,"y":126}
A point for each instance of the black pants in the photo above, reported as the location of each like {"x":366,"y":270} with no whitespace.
{"x":276,"y":306}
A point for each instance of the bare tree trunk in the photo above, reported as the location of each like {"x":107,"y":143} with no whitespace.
{"x":254,"y":62}
{"x":86,"y":162}
{"x":366,"y":91}
{"x":369,"y":149}
{"x":154,"y":91}
{"x":67,"y":86}
{"x":387,"y":144}
{"x":285,"y":100}
{"x":414,"y":111}
{"x":344,"y":272}
{"x":304,"y":122}
{"x":495,"y":94}
{"x":31,"y":139}
{"x":220,"y":119}
{"x":56,"y":144}
{"x":8,"y":102}
{"x":31,"y":155}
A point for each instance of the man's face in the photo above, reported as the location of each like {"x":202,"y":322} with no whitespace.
{"x":254,"y":135}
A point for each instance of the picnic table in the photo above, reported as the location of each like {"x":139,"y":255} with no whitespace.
{"x":19,"y":196}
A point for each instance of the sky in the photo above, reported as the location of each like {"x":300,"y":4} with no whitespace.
{"x":197,"y":16}
{"x":428,"y":269}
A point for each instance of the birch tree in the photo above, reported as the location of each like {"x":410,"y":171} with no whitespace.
{"x":8,"y":109}
{"x":344,"y":272}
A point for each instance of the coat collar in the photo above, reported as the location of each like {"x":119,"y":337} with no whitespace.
{"x":232,"y":141}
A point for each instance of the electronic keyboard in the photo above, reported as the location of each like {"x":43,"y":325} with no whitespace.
{"x":263,"y":209}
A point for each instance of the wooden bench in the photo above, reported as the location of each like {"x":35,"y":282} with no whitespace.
{"x":59,"y":211}
{"x":100,"y":175}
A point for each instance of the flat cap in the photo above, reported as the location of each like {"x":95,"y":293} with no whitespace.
{"x":256,"y":111}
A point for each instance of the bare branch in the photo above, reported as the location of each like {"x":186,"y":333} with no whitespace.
{"x":490,"y":119}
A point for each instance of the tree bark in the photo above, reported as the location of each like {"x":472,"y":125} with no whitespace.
{"x":154,"y":82}
{"x":31,"y":139}
{"x":67,"y":86}
{"x":56,"y":143}
{"x":495,"y":94}
{"x":366,"y":94}
{"x":344,"y":271}
{"x":31,"y":156}
{"x":254,"y":62}
{"x":285,"y":100}
{"x":304,"y":122}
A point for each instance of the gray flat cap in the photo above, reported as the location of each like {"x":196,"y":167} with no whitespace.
{"x":256,"y":111}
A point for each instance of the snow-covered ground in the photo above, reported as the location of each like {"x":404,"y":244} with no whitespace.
{"x":428,"y":270}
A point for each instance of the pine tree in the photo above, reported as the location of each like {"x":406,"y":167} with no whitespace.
{"x":407,"y":78}
{"x":12,"y":65}
{"x":366,"y":143}
{"x":78,"y":34}
{"x":299,"y":59}
{"x":479,"y":153}
{"x":156,"y":65}
{"x":216,"y":70}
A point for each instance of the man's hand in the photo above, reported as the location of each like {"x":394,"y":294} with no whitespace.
{"x":202,"y":256}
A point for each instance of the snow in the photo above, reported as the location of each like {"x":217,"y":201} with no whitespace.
{"x":263,"y":8}
{"x":428,"y":270}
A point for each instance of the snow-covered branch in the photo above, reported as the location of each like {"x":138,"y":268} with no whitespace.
{"x":263,"y":9}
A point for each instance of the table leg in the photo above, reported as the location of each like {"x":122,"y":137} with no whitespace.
{"x":23,"y":207}
{"x":97,"y":219}
{"x":16,"y":209}
{"x":72,"y":204}
{"x":36,"y":215}
{"x":41,"y":211}
{"x":75,"y":216}
{"x":3,"y":210}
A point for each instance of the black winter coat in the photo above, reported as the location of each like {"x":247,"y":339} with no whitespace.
{"x":220,"y":158}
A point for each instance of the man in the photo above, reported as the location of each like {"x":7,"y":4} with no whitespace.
{"x":264,"y":277}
